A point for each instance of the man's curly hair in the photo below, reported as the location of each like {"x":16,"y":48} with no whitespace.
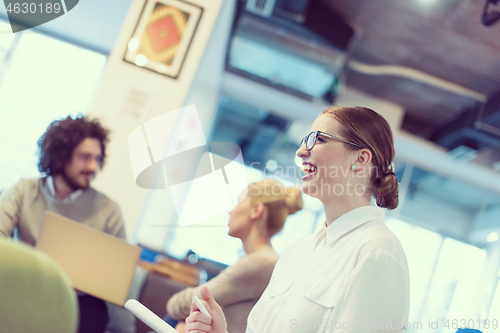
{"x":56,"y":145}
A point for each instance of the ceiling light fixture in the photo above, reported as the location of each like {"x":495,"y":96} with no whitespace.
{"x":426,"y":2}
{"x":490,"y":17}
{"x":492,"y":237}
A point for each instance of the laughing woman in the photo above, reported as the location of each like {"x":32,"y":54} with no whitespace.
{"x":351,"y":276}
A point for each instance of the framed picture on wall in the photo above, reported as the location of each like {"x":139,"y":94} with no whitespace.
{"x":163,"y":35}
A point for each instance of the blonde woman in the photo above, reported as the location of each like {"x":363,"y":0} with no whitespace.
{"x":351,"y":276}
{"x":261,"y":213}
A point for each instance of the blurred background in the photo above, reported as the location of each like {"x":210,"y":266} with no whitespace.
{"x":259,"y":72}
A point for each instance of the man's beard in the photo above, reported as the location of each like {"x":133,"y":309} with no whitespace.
{"x":72,"y":183}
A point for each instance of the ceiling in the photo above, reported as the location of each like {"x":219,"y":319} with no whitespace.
{"x":434,"y":58}
{"x":457,"y":64}
{"x":443,"y":38}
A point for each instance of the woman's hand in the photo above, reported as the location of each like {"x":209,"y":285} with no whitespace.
{"x":197,"y":322}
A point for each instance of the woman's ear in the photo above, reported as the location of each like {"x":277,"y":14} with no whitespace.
{"x":363,"y":158}
{"x":257,"y":210}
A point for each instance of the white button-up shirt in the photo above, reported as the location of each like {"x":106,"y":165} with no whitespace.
{"x":351,"y":276}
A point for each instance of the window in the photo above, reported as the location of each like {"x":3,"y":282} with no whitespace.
{"x":44,"y":79}
{"x":421,"y":260}
{"x":444,"y":275}
{"x":494,"y":311}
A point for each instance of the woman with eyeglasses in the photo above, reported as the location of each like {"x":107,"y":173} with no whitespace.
{"x":352,"y":275}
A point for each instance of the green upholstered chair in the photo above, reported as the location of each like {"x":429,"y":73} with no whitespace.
{"x":35,"y":293}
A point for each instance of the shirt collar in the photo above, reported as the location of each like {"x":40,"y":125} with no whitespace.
{"x":352,"y":220}
{"x":70,"y":198}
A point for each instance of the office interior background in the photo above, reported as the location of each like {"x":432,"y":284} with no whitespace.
{"x":259,"y":72}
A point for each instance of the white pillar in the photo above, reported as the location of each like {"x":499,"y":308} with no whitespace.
{"x":130,"y":95}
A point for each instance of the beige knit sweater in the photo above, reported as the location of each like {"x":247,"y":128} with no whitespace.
{"x":23,"y":206}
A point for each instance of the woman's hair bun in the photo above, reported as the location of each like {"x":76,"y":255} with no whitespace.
{"x":386,"y":191}
{"x":293,"y":199}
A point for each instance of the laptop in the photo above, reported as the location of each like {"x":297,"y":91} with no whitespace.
{"x":97,"y":263}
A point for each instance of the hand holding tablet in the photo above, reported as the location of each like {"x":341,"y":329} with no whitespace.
{"x":148,"y":317}
{"x":201,"y":307}
{"x":152,"y":320}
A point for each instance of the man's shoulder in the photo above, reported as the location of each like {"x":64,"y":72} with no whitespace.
{"x":27,"y":184}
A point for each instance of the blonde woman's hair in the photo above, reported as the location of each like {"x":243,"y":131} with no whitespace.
{"x":279,"y":200}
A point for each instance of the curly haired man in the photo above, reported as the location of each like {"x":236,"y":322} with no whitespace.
{"x":71,"y":152}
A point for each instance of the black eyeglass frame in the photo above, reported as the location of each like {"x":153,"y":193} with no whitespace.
{"x":318,"y":133}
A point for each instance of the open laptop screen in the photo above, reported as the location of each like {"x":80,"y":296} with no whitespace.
{"x":97,"y":263}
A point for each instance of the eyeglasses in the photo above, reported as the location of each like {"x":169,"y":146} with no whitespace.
{"x":312,"y":137}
